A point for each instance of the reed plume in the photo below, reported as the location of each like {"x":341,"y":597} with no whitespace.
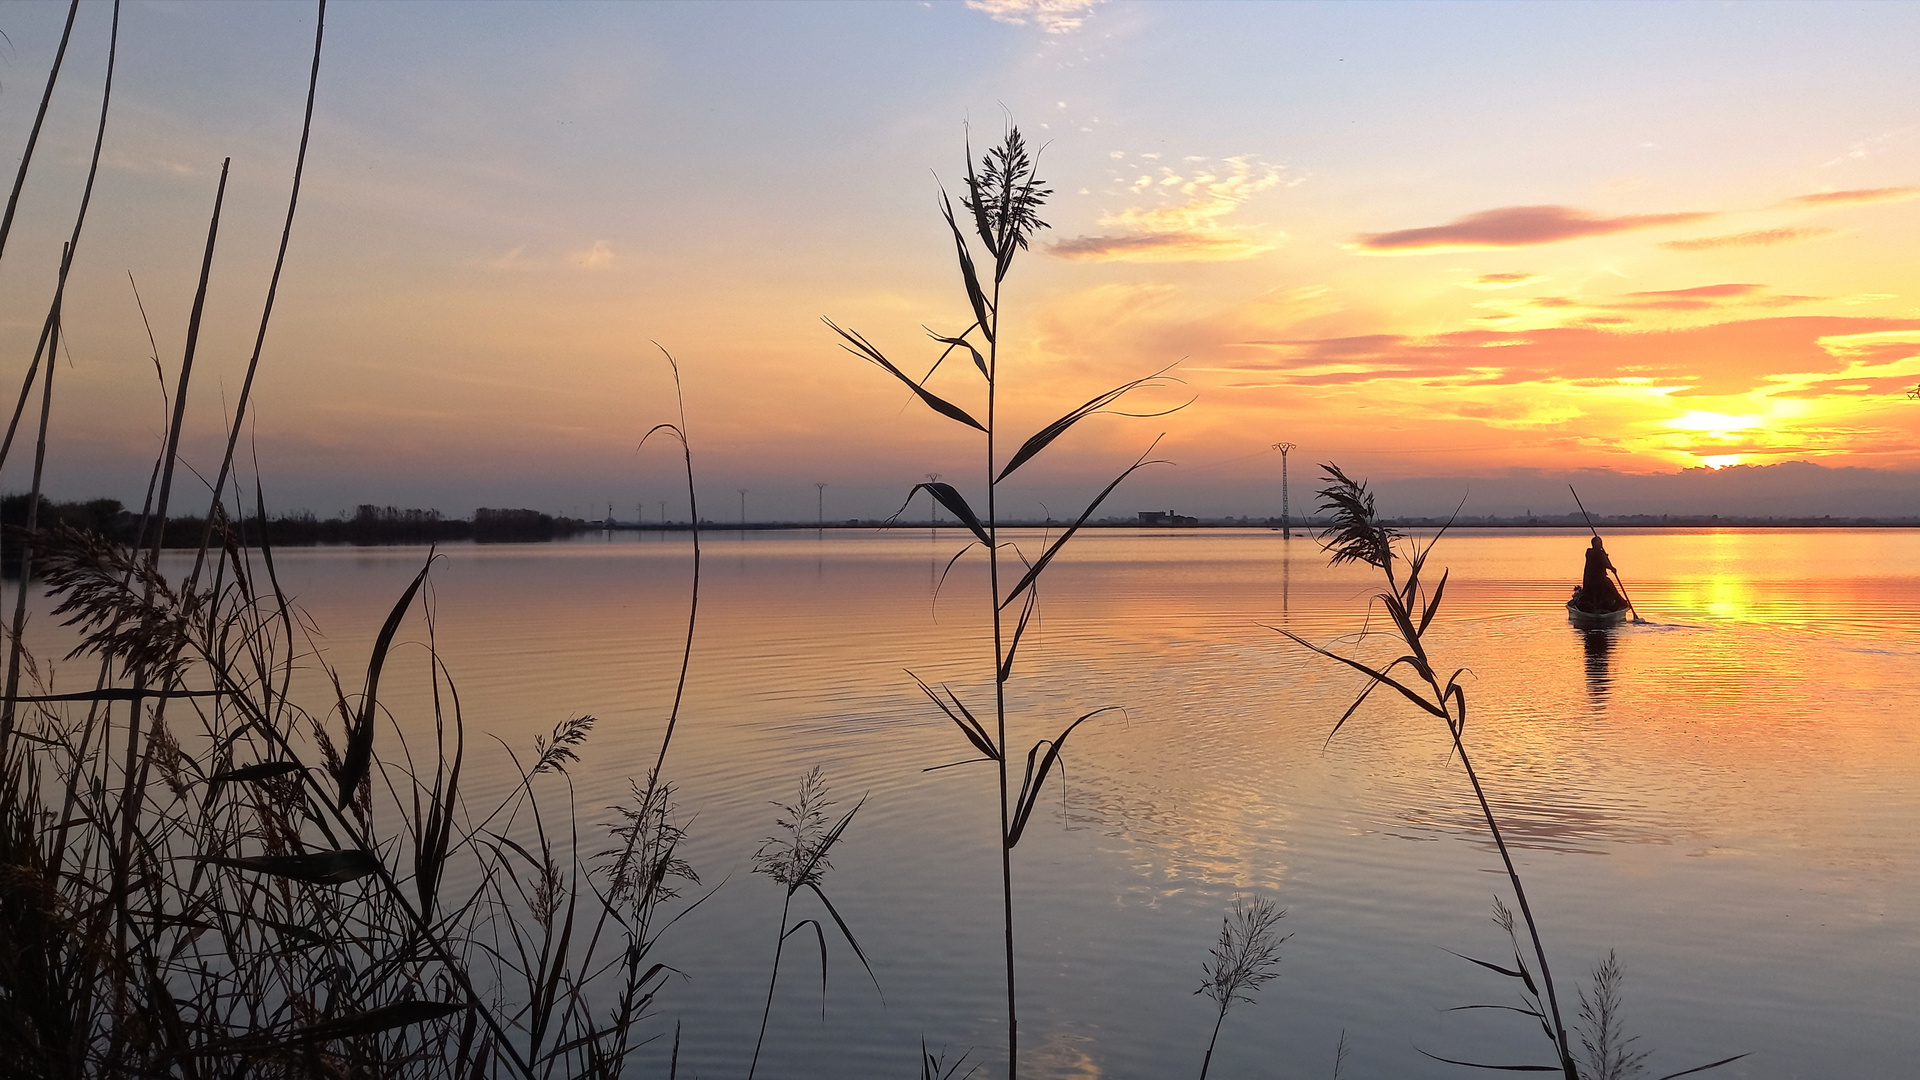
{"x":1246,"y":958}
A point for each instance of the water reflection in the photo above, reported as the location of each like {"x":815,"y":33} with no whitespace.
{"x":1748,"y":763}
{"x":1598,"y":646}
{"x":1286,"y":575}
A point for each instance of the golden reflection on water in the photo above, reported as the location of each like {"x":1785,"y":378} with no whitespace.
{"x":1678,"y":790}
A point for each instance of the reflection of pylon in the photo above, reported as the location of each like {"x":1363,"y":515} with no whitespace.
{"x":1286,"y":518}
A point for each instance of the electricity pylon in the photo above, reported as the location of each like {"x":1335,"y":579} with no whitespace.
{"x":1286,"y":518}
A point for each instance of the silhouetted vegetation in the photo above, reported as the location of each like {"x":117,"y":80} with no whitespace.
{"x":1357,"y":533}
{"x":201,"y":875}
{"x":1002,"y":201}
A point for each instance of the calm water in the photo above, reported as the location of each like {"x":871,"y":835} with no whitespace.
{"x":1727,"y":797}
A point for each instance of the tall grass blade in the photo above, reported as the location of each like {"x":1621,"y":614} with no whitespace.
{"x":273,"y":288}
{"x":1030,"y":785}
{"x":845,"y":932}
{"x":171,"y":455}
{"x":969,"y":726}
{"x":1704,"y":1068}
{"x":961,"y":342}
{"x":266,"y":770}
{"x":1040,"y":565}
{"x":860,"y":346}
{"x":372,"y":1022}
{"x":1019,"y":631}
{"x":955,"y":502}
{"x":1045,"y":436}
{"x":820,"y":936}
{"x":358,"y":757}
{"x":975,"y":297}
{"x":313,"y":868}
{"x":33,"y":136}
{"x":1495,"y":1068}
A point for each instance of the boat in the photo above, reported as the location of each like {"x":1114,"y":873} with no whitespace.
{"x":1596,"y":620}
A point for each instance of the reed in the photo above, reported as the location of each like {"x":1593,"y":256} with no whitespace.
{"x":1355,"y":533}
{"x":201,"y":875}
{"x":1246,"y":958}
{"x":797,"y":857}
{"x":1002,"y":203}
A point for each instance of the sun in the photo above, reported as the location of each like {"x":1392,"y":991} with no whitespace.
{"x":1717,"y":425}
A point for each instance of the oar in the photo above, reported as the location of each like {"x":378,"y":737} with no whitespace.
{"x":1616,"y":571}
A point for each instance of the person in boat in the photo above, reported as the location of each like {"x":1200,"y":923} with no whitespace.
{"x":1597,"y":592}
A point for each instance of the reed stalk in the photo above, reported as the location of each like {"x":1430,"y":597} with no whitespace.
{"x":797,"y":857}
{"x":1246,"y":958}
{"x":1002,"y":200}
{"x":1356,"y":534}
{"x":39,"y":118}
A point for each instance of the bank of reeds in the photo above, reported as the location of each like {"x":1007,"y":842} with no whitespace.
{"x":203,"y":875}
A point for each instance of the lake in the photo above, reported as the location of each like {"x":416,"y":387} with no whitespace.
{"x":1726,"y":796}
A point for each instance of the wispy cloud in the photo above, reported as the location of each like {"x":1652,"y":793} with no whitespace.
{"x":1516,"y":226}
{"x":1603,"y":310}
{"x":597,"y":257}
{"x":1191,"y":229}
{"x":1702,"y":298}
{"x":1502,"y":281}
{"x":1755,"y":238}
{"x":1791,"y":356}
{"x":1857,"y":195}
{"x":1053,"y":16}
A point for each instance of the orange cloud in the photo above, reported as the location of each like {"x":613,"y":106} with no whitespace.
{"x":1756,"y":238}
{"x":1720,"y":359}
{"x":1857,"y":195}
{"x":1502,"y":281}
{"x":1698,"y":298}
{"x":1517,"y":226}
{"x":1702,"y":297}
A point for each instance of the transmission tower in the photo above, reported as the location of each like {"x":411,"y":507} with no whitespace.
{"x":1286,"y":517}
{"x":820,"y":501}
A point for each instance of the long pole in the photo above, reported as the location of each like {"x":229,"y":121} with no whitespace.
{"x":1286,"y":517}
{"x":820,"y":502}
{"x":1616,"y":570}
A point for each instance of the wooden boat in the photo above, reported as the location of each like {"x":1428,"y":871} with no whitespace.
{"x":1596,"y":620}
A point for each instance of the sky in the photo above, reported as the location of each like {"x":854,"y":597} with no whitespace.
{"x":1468,"y":251}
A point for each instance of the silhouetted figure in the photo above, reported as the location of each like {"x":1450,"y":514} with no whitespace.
{"x":1597,"y":592}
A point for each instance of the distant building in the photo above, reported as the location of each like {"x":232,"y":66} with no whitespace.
{"x":1165,"y":519}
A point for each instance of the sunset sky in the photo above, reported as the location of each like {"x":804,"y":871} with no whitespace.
{"x":1422,"y":240}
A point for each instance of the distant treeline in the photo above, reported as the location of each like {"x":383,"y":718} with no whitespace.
{"x":368,"y":525}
